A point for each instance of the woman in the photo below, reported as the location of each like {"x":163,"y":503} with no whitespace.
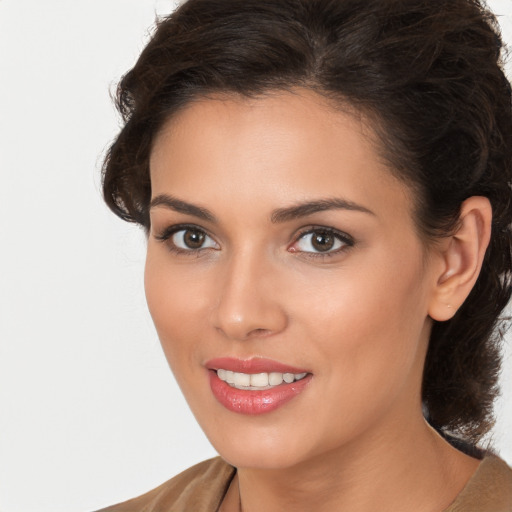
{"x":325,"y":189}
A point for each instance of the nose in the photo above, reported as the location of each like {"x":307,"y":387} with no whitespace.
{"x":248,"y":306}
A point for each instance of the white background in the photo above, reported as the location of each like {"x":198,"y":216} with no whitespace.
{"x":89,"y":412}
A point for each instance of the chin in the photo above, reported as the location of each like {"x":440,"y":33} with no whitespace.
{"x":258,"y":447}
{"x":258,"y":457}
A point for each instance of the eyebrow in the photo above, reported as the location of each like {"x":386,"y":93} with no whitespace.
{"x":182,"y":207}
{"x":310,"y":207}
{"x":278,"y":216}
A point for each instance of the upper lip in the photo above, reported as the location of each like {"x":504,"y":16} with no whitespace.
{"x":252,"y":365}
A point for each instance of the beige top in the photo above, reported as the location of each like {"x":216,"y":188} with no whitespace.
{"x":202,"y":487}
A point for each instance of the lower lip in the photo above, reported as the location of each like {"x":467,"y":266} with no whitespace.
{"x":255,"y":402}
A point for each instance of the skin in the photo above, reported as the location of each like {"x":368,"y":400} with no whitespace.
{"x":358,"y":319}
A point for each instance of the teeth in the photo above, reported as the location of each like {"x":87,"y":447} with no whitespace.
{"x":288,"y":378}
{"x":274,"y":379}
{"x":242,"y":380}
{"x":257,"y":381}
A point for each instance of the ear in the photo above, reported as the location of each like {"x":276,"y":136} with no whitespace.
{"x":461,"y":257}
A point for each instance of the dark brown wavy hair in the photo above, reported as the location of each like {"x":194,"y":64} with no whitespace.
{"x":427,"y":72}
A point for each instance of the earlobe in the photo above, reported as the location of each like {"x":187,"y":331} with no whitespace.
{"x":462,"y":258}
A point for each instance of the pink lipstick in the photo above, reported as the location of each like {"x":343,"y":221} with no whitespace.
{"x":255,"y":386}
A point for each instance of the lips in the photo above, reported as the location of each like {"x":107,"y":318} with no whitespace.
{"x":239,"y":385}
{"x":254,"y":365}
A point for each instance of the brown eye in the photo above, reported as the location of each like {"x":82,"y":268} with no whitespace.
{"x":322,"y":241}
{"x":192,"y":240}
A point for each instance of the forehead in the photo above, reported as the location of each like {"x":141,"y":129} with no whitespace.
{"x":282,"y":148}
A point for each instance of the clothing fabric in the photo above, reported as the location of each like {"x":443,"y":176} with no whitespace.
{"x":489,"y":490}
{"x":202,"y":488}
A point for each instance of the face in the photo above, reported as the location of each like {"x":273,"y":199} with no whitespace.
{"x":283,"y":258}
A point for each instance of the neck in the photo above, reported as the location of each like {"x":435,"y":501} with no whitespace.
{"x":404,"y":467}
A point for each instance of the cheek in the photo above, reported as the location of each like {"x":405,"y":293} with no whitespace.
{"x":177,"y":306}
{"x":378,"y":290}
{"x":366,"y":335}
{"x":368,"y":321}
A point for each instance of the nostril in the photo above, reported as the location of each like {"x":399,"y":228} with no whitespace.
{"x":254,"y":333}
{"x":259,"y":333}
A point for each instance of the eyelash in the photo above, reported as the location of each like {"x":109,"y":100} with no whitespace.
{"x":347,"y":241}
{"x":168,"y":232}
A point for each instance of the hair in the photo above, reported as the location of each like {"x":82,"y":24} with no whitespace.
{"x":428,"y":72}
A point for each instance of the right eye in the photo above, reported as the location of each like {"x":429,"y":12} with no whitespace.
{"x":187,"y":239}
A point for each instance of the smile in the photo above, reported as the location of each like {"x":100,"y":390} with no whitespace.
{"x":255,"y":386}
{"x":257,"y":381}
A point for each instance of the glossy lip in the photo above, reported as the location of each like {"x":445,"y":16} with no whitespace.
{"x":253,"y":365}
{"x":252,"y":402}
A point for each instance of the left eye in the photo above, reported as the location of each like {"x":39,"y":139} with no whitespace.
{"x":320,"y":241}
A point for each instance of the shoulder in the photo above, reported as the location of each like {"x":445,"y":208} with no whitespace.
{"x":489,"y":490}
{"x":200,"y":487}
